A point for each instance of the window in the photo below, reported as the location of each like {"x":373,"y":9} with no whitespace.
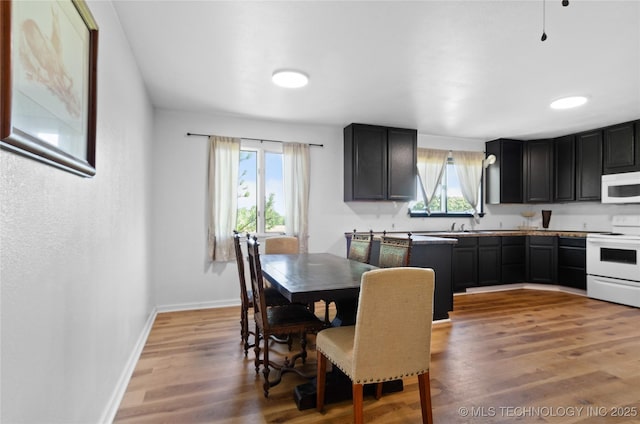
{"x":448,"y":199}
{"x":260,"y":189}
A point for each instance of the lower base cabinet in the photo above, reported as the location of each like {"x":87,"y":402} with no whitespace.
{"x":465,"y":263}
{"x":572,"y":262}
{"x":542,"y":252}
{"x":514,"y":259}
{"x":489,"y":261}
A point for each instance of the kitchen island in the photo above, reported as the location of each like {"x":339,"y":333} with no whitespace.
{"x":427,"y":252}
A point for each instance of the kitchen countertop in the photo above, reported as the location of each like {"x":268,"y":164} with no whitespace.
{"x":439,"y":237}
{"x":493,"y":233}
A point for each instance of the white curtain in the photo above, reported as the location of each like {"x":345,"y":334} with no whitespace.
{"x":224,"y":159}
{"x":469,"y":168}
{"x":296,"y":191}
{"x":431,"y":164}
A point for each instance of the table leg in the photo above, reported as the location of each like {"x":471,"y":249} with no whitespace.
{"x":346,"y":310}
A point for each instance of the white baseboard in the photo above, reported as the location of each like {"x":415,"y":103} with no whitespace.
{"x":123,"y":382}
{"x":121,"y":387}
{"x":177,"y":307}
{"x":530,"y":286}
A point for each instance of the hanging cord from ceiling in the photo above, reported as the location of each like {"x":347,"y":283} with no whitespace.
{"x":565,"y":3}
{"x":544,"y":34}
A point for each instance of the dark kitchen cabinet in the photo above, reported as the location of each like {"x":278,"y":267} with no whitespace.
{"x":489,"y":261}
{"x":538,"y":171}
{"x":379,"y":163}
{"x":621,"y":148}
{"x":476,"y":262}
{"x":564,"y":169}
{"x":437,"y":257}
{"x":513,"y":259}
{"x":589,"y":165}
{"x":504,"y":177}
{"x":572,"y":262}
{"x":465,"y":263}
{"x":542,"y":259}
{"x":402,"y":154}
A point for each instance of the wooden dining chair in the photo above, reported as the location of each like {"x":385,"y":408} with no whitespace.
{"x":394,"y":251}
{"x":359,"y":250}
{"x":373,"y":353}
{"x":360,"y":246}
{"x":286,"y":245}
{"x":283,"y":320}
{"x":272,"y":296}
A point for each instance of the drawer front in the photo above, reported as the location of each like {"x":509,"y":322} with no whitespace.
{"x":572,"y":257}
{"x":542,"y":240}
{"x":489,"y":241}
{"x":572,"y":241}
{"x":513,"y":240}
{"x":467,"y":242}
{"x":572,"y":277}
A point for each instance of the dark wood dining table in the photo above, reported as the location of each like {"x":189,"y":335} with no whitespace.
{"x":312,"y":277}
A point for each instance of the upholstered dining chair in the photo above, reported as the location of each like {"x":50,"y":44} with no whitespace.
{"x":272,"y":296}
{"x":281,"y":245}
{"x":394,"y":251}
{"x":375,"y":350}
{"x":283,"y":320}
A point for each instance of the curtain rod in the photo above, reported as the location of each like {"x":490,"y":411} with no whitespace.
{"x":256,"y":139}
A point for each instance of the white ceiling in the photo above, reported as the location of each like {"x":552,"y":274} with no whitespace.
{"x":473,"y":69}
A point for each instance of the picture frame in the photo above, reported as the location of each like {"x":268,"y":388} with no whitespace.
{"x":49,"y":56}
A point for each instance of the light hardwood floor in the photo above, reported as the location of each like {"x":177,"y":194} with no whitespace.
{"x":525,"y":356}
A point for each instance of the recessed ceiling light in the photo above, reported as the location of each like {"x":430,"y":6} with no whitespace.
{"x":289,"y":78}
{"x":568,"y":102}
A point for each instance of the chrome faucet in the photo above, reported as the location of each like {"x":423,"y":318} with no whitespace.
{"x":453,"y":226}
{"x":462,"y":227}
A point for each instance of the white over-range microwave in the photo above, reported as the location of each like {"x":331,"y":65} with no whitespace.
{"x":621,"y":188}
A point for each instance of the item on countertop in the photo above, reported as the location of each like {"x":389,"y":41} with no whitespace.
{"x":546,"y":217}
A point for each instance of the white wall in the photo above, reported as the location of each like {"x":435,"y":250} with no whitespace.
{"x":183,"y":276}
{"x":74,"y":265}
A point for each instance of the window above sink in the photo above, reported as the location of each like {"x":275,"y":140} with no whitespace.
{"x":448,"y":200}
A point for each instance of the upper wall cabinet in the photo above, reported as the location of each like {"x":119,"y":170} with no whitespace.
{"x":504,"y":177}
{"x":564,"y":160}
{"x":622,"y":148}
{"x":563,"y":169}
{"x":538,"y":171}
{"x":588,"y":165}
{"x":379,"y":163}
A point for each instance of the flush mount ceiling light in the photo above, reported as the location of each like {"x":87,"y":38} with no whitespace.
{"x":289,"y":78}
{"x":568,"y":102}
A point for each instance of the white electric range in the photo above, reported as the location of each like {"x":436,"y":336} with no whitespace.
{"x":613,"y":266}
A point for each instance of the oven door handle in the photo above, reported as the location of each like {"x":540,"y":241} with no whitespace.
{"x":611,"y":241}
